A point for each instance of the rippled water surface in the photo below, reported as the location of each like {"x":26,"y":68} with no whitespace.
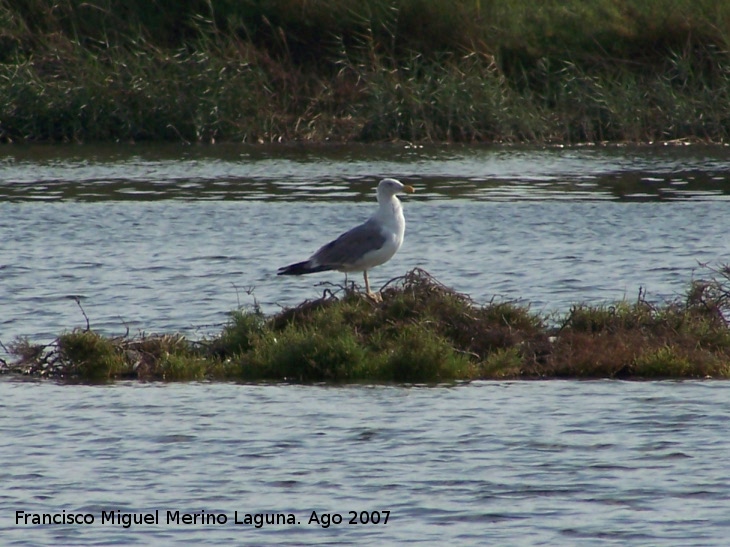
{"x":524,"y":463}
{"x":171,"y":238}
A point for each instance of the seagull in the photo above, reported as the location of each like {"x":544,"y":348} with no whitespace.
{"x":365,"y":246}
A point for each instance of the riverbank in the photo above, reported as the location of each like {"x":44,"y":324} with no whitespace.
{"x":421,"y":332}
{"x":372,"y":71}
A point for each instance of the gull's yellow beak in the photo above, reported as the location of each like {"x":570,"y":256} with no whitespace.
{"x":409,"y":189}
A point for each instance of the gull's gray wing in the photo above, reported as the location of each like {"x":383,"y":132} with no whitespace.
{"x":351,"y":246}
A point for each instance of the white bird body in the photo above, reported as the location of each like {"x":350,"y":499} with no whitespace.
{"x":368,"y":245}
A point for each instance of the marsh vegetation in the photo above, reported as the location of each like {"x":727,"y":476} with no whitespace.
{"x":421,"y":332}
{"x":371,"y":70}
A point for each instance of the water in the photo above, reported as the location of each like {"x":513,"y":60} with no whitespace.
{"x":167,"y":239}
{"x":514,"y":463}
{"x":172,"y":238}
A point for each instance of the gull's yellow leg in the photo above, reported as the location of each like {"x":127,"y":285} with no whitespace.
{"x":375,"y":297}
{"x":367,"y":283}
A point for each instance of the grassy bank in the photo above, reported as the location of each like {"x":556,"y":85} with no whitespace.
{"x":366,"y":70}
{"x":421,"y":332}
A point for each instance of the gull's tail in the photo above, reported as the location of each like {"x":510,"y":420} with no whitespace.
{"x":301,"y":268}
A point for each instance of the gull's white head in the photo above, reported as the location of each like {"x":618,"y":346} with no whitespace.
{"x":387,"y":188}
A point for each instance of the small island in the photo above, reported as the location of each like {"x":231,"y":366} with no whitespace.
{"x":422,"y":332}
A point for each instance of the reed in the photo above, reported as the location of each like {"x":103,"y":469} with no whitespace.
{"x":371,"y":70}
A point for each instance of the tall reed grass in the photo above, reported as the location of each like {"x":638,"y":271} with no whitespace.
{"x":368,"y":70}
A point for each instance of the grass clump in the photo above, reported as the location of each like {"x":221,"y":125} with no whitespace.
{"x":666,"y":362}
{"x":503,"y":363}
{"x":165,"y":357}
{"x":417,"y":354}
{"x":303,"y":354}
{"x":239,"y":333}
{"x":89,"y":355}
{"x":421,"y":332}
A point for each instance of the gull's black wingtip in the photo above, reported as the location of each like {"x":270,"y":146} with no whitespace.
{"x":292,"y":269}
{"x":301,"y":268}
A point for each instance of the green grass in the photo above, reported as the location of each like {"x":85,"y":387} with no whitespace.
{"x":87,"y":355}
{"x":302,"y":354}
{"x":371,"y":70}
{"x":422,"y":332}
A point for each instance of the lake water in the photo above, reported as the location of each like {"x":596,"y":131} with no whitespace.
{"x":491,"y":463}
{"x":171,"y":238}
